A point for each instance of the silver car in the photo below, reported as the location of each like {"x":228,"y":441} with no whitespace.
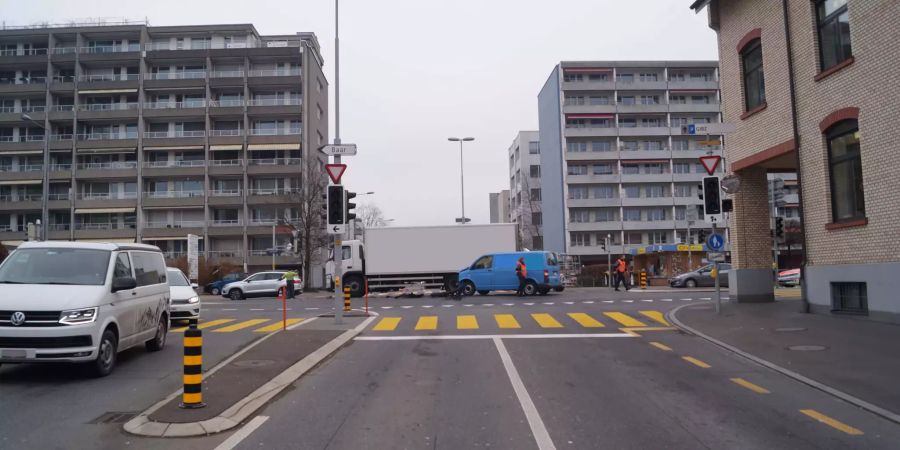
{"x":184,"y":303}
{"x":262,"y":284}
{"x":701,"y":277}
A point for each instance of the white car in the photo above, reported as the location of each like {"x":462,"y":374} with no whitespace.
{"x":82,"y":302}
{"x":184,"y":303}
{"x":261,"y":284}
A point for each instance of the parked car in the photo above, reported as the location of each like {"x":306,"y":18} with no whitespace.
{"x":262,"y":284}
{"x":184,"y":303}
{"x":701,"y":277}
{"x":82,"y":302}
{"x":215,"y":288}
{"x":788,"y":278}
{"x":497,"y":271}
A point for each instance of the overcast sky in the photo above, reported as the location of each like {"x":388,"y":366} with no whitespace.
{"x":414,"y":72}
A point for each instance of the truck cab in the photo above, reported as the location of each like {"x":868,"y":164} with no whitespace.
{"x":353,"y":262}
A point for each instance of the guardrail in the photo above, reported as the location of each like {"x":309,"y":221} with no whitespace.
{"x":275,"y":72}
{"x":173,"y":194}
{"x":226,"y":74}
{"x":106,"y":136}
{"x":225,"y":193}
{"x":62,"y":108}
{"x":273,"y":161}
{"x":182,"y":224}
{"x":23,"y":52}
{"x":163,"y":164}
{"x":186,"y":75}
{"x":61,"y":137}
{"x":109,"y":106}
{"x":108,"y":165}
{"x":237,"y":132}
{"x":106,"y":196}
{"x":275,"y":132}
{"x":109,"y":77}
{"x":175,"y":105}
{"x":224,"y":162}
{"x":274,"y":191}
{"x":275,"y":102}
{"x":110,"y":48}
{"x":22,"y":168}
{"x":173,"y":134}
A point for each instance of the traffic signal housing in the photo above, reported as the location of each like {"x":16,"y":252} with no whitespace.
{"x":701,"y":236}
{"x":712,"y":197}
{"x":351,"y":213}
{"x":335,"y":205}
{"x":779,"y":227}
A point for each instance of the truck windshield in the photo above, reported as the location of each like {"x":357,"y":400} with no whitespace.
{"x":76,"y":266}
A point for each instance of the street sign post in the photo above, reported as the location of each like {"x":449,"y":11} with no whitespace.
{"x":339,"y":150}
{"x":193,"y":250}
{"x":715,"y":242}
{"x":335,"y":172}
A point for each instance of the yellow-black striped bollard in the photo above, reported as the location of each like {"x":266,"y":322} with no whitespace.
{"x":192,"y":397}
{"x":643,"y":279}
{"x":346,"y":299}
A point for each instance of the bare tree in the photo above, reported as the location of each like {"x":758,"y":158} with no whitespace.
{"x":527,"y":229}
{"x":310,"y":221}
{"x":370,"y":216}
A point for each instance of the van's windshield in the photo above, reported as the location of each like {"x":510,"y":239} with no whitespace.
{"x":76,"y":266}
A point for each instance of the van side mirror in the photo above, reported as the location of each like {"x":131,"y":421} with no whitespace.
{"x":123,"y":284}
{"x":195,"y":285}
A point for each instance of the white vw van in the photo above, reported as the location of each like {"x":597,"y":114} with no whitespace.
{"x":81,"y":302}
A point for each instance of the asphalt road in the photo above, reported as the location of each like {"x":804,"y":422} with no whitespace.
{"x":583,"y":369}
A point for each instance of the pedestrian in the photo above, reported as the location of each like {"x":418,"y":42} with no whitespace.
{"x":621,"y":267}
{"x":522,"y":274}
{"x":289,"y":283}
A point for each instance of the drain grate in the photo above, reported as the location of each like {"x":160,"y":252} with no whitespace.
{"x":113,"y":417}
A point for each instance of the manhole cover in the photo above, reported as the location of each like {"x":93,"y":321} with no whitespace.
{"x":807,"y":348}
{"x":114,"y":417}
{"x":254,"y":363}
{"x":789,"y":329}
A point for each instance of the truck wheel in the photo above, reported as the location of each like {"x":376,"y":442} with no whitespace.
{"x":482,"y":292}
{"x":356,"y":285}
{"x":530,"y":288}
{"x":468,"y":288}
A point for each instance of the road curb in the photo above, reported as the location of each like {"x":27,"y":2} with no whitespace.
{"x":877,"y":410}
{"x":244,"y":408}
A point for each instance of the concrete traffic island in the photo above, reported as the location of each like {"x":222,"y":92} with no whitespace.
{"x":248,"y":380}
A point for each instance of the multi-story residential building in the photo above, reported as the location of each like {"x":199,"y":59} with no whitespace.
{"x":525,"y":189}
{"x":784,"y":204}
{"x":808,"y":84}
{"x":615,"y":164}
{"x":138,"y":133}
{"x":499,"y":206}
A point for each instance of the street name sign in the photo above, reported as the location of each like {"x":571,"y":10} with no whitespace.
{"x":708,"y":128}
{"x":335,"y":171}
{"x":340,"y":150}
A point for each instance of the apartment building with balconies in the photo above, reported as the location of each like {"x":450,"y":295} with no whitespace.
{"x":615,"y":164}
{"x":129,"y":132}
{"x":524,"y":156}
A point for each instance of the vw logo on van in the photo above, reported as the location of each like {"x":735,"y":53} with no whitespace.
{"x":18,"y":318}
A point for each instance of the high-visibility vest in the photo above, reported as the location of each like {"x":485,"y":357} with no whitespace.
{"x":521,"y":269}
{"x":620,"y":266}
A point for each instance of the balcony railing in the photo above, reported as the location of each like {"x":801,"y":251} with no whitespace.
{"x":109,"y":106}
{"x":21,"y":197}
{"x":273,"y":161}
{"x":133,"y":47}
{"x":269,"y":222}
{"x":109,"y":77}
{"x":274,"y":102}
{"x":24,"y":80}
{"x":235,"y":132}
{"x":225,"y":193}
{"x":29,"y":138}
{"x":6,"y":228}
{"x":64,"y":50}
{"x":106,"y":195}
{"x":108,"y":165}
{"x":107,"y":136}
{"x":22,"y":109}
{"x":226,"y":74}
{"x":58,"y":196}
{"x":22,"y":168}
{"x":173,"y":134}
{"x":224,"y":162}
{"x":23,"y":52}
{"x":63,"y":167}
{"x":184,"y":75}
{"x":105,"y":226}
{"x":275,"y":72}
{"x":225,"y":223}
{"x":63,"y":78}
{"x":225,"y":254}
{"x":226,"y":103}
{"x":274,"y":131}
{"x":62,"y":108}
{"x":163,"y":164}
{"x":173,"y":194}
{"x":181,"y":224}
{"x":274,"y":191}
{"x":60,"y":227}
{"x":199,"y":103}
{"x":61,"y":137}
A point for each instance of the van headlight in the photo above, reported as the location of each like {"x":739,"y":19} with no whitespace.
{"x":194,"y":299}
{"x":78,"y":316}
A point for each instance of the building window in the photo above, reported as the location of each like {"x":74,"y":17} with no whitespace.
{"x":604,"y":192}
{"x":682,"y":190}
{"x":630,"y":169}
{"x":573,"y":77}
{"x":631,"y":215}
{"x":580,"y":239}
{"x":754,"y":80}
{"x":534,"y":171}
{"x":649,"y":77}
{"x":534,"y":148}
{"x":680,"y":212}
{"x":537,"y":242}
{"x":536,"y":218}
{"x":657,"y":237}
{"x":845,"y":171}
{"x":634,"y":238}
{"x":656,"y":214}
{"x":599,"y":100}
{"x":833,"y":22}
{"x":655,"y":191}
{"x":598,"y":77}
{"x":626,"y":100}
{"x":632,"y":191}
{"x":601,"y":146}
{"x":578,"y":170}
{"x":677,"y":100}
{"x":681,"y":167}
{"x":849,"y":298}
{"x":605,"y":215}
{"x":578,"y":192}
{"x":574,"y":101}
{"x":576,"y":147}
{"x":630,"y":145}
{"x":603,"y":169}
{"x":579,"y":216}
{"x":535,"y":195}
{"x":654,"y":168}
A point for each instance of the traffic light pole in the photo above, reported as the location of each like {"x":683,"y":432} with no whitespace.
{"x":338,"y":305}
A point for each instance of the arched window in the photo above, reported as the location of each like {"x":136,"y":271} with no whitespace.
{"x":754,"y":81}
{"x":845,"y":171}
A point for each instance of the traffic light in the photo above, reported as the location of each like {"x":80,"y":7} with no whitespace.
{"x":779,"y":227}
{"x":701,"y":236}
{"x":335,"y":204}
{"x":712,"y":198}
{"x":325,"y":207}
{"x":351,"y":214}
{"x":727,"y":205}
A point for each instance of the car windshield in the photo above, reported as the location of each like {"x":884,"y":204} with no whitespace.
{"x":176,"y":278}
{"x":76,"y":266}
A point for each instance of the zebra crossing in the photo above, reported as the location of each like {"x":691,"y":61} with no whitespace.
{"x":515,"y":321}
{"x":233,"y":325}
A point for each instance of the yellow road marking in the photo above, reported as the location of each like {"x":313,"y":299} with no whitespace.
{"x":661,"y":346}
{"x":546,"y":320}
{"x":506,"y":321}
{"x":277,"y":326}
{"x":585,"y":320}
{"x":657,"y":316}
{"x":427,"y":323}
{"x":831,"y":422}
{"x":466,"y":323}
{"x":240,"y":326}
{"x":203,"y":325}
{"x":696,"y":362}
{"x":753,"y":387}
{"x":625,"y":319}
{"x":387,"y":324}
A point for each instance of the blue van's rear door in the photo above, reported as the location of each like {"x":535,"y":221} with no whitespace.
{"x":505,"y":272}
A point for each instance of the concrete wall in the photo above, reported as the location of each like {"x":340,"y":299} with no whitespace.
{"x":552,"y":193}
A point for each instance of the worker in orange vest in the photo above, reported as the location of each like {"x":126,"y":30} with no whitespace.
{"x":522,"y":274}
{"x":621,"y":267}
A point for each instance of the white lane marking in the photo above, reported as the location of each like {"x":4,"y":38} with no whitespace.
{"x":665,"y":299}
{"x":538,"y":429}
{"x":608,"y":301}
{"x":569,"y":303}
{"x":427,"y":306}
{"x":229,"y":309}
{"x":452,"y":337}
{"x":705,"y":298}
{"x":386,"y":307}
{"x":726,"y":298}
{"x":628,"y":301}
{"x":243,"y":433}
{"x":406,"y":306}
{"x":282,"y":309}
{"x":448,"y":306}
{"x":311,"y":309}
{"x":686,"y":299}
{"x":528,"y":304}
{"x":548,"y":303}
{"x":509,"y":304}
{"x":588,"y":302}
{"x":468,"y":304}
{"x":648,"y":301}
{"x":488,"y":304}
{"x":257,"y":309}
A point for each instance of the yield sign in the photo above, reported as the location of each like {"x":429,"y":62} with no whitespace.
{"x":710,"y":163}
{"x":335,"y":171}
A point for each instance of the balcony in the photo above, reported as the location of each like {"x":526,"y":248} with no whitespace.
{"x":230,"y":255}
{"x":106,"y":200}
{"x":20,"y":201}
{"x":582,"y":179}
{"x":225,"y":166}
{"x":226,"y":74}
{"x":641,"y":108}
{"x":14,"y":113}
{"x":590,"y":132}
{"x":592,"y":156}
{"x":588,"y":85}
{"x":107,"y":140}
{"x":662,"y":130}
{"x":21,"y":172}
{"x":648,"y":224}
{"x":227,"y":107}
{"x":23,"y":56}
{"x":175,"y":109}
{"x":276,"y":106}
{"x":112,"y":230}
{"x":60,"y":171}
{"x":595,"y":226}
{"x":647,"y":178}
{"x":61,"y":112}
{"x":159,"y":168}
{"x":225,"y":197}
{"x":102,"y":49}
{"x":274,"y":77}
{"x":696,"y":85}
{"x":173,"y":198}
{"x":638,"y":85}
{"x":174,"y":138}
{"x":226,"y":78}
{"x":275,"y":131}
{"x":694,"y":107}
{"x":688,"y":177}
{"x":589,"y":109}
{"x":108,"y":81}
{"x":645,"y":154}
{"x":272,"y":196}
{"x":594,"y":202}
{"x":30,"y":85}
{"x":127,"y":110}
{"x":273,"y":166}
{"x":226,"y":227}
{"x":172,"y":229}
{"x":32,"y":143}
{"x":187,"y":78}
{"x":647,"y":201}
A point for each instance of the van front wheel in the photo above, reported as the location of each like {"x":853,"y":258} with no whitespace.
{"x":106,"y":355}
{"x":468,"y":288}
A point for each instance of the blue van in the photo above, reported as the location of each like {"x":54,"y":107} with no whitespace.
{"x":497,"y":271}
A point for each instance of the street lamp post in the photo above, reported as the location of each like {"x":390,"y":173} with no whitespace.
{"x":462,"y":185}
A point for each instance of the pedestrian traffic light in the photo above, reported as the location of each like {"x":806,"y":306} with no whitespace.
{"x":779,"y":227}
{"x":727,"y":205}
{"x":351,"y":214}
{"x":701,"y":236}
{"x":335,"y":204}
{"x":712,"y":198}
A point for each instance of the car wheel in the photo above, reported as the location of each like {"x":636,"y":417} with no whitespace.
{"x":159,"y":340}
{"x":483,"y":292}
{"x":235,"y":294}
{"x":530,"y":288}
{"x":691,"y":283}
{"x":106,"y":355}
{"x":215,"y":291}
{"x":468,"y":288}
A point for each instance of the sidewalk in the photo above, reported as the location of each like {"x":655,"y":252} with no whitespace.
{"x":860,"y":357}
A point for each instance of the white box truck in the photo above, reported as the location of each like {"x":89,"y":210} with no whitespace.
{"x":393,"y":257}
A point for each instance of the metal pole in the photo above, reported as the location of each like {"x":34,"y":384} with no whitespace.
{"x":273,"y":245}
{"x":690,"y":242}
{"x":718,"y":295}
{"x":462,"y":184}
{"x":338,"y":303}
{"x":609,"y":271}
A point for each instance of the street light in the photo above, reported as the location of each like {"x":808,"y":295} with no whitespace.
{"x":462,"y":187}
